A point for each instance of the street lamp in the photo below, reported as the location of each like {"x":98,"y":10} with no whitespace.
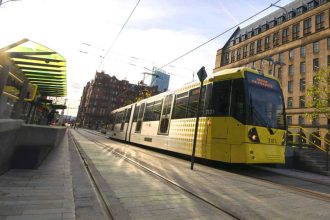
{"x":274,"y":63}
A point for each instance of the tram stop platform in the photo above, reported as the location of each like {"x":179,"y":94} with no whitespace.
{"x":60,"y":187}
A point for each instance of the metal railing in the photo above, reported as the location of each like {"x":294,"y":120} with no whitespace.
{"x":303,"y":141}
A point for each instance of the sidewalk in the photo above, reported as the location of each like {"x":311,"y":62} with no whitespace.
{"x":300,"y":174}
{"x":58,"y":189}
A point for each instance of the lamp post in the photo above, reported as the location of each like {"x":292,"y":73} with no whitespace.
{"x":274,"y":63}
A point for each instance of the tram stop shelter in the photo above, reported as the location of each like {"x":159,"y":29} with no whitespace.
{"x":29,"y":73}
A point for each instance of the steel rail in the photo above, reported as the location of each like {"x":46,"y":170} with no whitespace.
{"x":154,"y":173}
{"x":100,"y":196}
{"x":313,"y":194}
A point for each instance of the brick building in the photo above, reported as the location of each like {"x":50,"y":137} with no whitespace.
{"x":291,"y":43}
{"x":102,"y":95}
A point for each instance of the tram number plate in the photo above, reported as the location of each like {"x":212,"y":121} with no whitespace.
{"x":272,"y":141}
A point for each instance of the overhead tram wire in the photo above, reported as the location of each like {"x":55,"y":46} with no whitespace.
{"x":114,"y":41}
{"x":235,"y":26}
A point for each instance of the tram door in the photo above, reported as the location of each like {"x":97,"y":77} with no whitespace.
{"x":127,"y":121}
{"x":130,"y":123}
{"x":166,"y":115}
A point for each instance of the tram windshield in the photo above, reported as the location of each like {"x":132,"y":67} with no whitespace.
{"x":264,"y":102}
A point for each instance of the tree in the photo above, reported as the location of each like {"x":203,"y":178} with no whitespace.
{"x":320,"y":94}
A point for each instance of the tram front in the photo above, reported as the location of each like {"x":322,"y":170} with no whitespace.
{"x":265,"y":119}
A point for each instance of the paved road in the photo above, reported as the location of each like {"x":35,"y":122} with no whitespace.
{"x":248,"y":198}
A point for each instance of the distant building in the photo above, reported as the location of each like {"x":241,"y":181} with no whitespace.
{"x":160,"y":79}
{"x":102,"y":95}
{"x":292,"y":44}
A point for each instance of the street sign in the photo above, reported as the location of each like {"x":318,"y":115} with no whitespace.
{"x":202,"y":74}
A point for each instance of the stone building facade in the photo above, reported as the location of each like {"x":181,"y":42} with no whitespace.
{"x":292,"y":43}
{"x":102,"y":95}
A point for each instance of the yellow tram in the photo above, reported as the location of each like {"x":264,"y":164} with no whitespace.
{"x":242,"y":119}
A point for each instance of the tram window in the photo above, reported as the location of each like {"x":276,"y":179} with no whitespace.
{"x":136,"y":112}
{"x":237,"y":100}
{"x":157,"y":110}
{"x":119,"y":117}
{"x":148,"y":115}
{"x":193,"y":102}
{"x":166,"y":113}
{"x":123,"y":120}
{"x":180,"y":106}
{"x":208,"y":110}
{"x":139,"y":118}
{"x":220,"y":98}
{"x":128,"y":115}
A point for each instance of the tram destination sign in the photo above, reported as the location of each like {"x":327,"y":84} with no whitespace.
{"x":261,"y":81}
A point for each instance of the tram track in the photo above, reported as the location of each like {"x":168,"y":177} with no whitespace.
{"x":159,"y":176}
{"x":98,"y":191}
{"x":252,"y":175}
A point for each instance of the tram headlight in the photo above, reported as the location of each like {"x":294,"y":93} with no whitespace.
{"x":253,"y":135}
{"x":283,"y":139}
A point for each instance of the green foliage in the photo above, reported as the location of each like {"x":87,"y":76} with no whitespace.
{"x":319,"y":94}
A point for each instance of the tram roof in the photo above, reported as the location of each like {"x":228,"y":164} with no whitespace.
{"x":42,"y":66}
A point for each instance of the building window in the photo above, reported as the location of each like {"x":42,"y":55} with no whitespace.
{"x":302,"y":68}
{"x":290,"y":70}
{"x":301,"y":120}
{"x":295,"y":31}
{"x":232,"y":60}
{"x":275,"y":39}
{"x":264,"y":27}
{"x":316,"y":65}
{"x":302,"y":101}
{"x":245,"y":51}
{"x":280,"y":57}
{"x":316,"y":47}
{"x":291,"y":15}
{"x":302,"y":51}
{"x":291,"y":54}
{"x":226,"y":58}
{"x":311,"y":5}
{"x":251,"y":48}
{"x":319,"y":21}
{"x":250,"y":34}
{"x":315,"y":121}
{"x":267,"y":42}
{"x":302,"y":84}
{"x":259,"y":45}
{"x":280,"y":19}
{"x":301,"y":10}
{"x":257,"y":31}
{"x":238,"y":53}
{"x":272,"y":23}
{"x":243,"y":37}
{"x":285,"y":35}
{"x":280,"y":73}
{"x":328,"y":43}
{"x":307,"y":26}
{"x":289,"y":120}
{"x":290,"y":88}
{"x":290,"y":102}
